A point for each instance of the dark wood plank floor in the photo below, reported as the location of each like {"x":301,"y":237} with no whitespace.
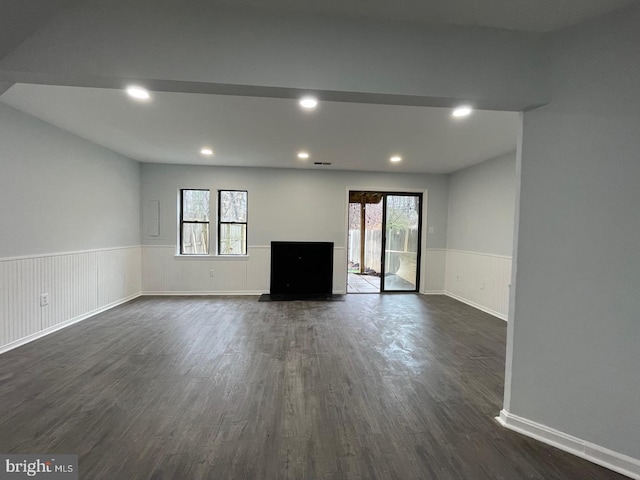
{"x":375,"y":387}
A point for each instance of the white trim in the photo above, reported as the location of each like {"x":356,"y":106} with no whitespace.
{"x":67,"y":323}
{"x":269,"y":246}
{"x":201,"y":293}
{"x":44,"y":255}
{"x":508,"y":368}
{"x":479,"y":253}
{"x":597,"y":454}
{"x":218,"y":293}
{"x":211,"y":258}
{"x":248,"y":248}
{"x":476,"y":305}
{"x":433,"y":292}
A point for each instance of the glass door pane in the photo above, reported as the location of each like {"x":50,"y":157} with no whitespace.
{"x":401,"y":242}
{"x":364,"y":248}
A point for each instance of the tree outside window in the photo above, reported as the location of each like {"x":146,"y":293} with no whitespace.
{"x":232,"y":222}
{"x":194,"y":222}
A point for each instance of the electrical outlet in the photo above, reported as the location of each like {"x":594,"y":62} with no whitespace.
{"x":482,"y":285}
{"x":44,"y":299}
{"x":457,"y":278}
{"x":211,"y":273}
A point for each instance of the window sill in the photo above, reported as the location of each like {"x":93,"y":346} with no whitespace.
{"x":211,"y":257}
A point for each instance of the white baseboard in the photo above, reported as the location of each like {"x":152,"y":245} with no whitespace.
{"x":220,"y":293}
{"x":433,"y":292}
{"x":615,"y":461}
{"x":213,"y":293}
{"x":476,"y":305}
{"x":60,"y":326}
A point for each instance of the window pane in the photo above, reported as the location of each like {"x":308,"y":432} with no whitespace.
{"x":233,"y":206}
{"x":195,"y":238}
{"x":233,"y":239}
{"x":195,"y":205}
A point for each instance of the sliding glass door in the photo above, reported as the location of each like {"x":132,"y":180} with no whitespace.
{"x":384,"y":242}
{"x":401,"y":242}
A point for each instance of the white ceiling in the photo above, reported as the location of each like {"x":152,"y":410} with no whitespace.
{"x":268,"y":132}
{"x":19,"y":19}
{"x":527,"y":15}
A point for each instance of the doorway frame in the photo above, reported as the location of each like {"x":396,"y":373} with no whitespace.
{"x":421,"y":272}
{"x":383,"y":262}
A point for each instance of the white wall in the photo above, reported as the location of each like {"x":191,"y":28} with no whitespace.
{"x":480,"y":234}
{"x":61,"y":193}
{"x":284,"y":204}
{"x":107,"y":43}
{"x":70,"y":227}
{"x":574,"y":364}
{"x":482,"y":207}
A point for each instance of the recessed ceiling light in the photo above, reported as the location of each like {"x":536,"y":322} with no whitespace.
{"x":396,"y":158}
{"x":206,"y":151}
{"x":138,"y":93}
{"x":308,"y":103}
{"x":462,"y":111}
{"x":303,"y":155}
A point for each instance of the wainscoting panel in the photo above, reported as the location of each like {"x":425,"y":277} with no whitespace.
{"x":71,"y":282}
{"x":163,"y":273}
{"x":481,"y":280}
{"x":19,"y":301}
{"x":259,"y":269}
{"x":118,"y":275}
{"x":433,"y":281}
{"x":78,"y":285}
{"x":340,"y":270}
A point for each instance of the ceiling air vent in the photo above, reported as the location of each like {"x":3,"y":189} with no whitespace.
{"x":322,"y":163}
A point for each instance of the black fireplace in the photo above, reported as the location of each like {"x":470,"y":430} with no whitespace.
{"x":301,"y":268}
